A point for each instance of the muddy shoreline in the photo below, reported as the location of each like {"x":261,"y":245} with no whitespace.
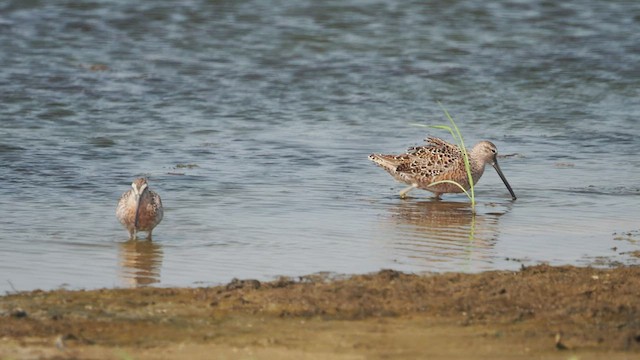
{"x":539,"y":311}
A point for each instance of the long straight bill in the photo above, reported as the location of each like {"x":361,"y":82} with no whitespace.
{"x":135,"y":222}
{"x":504,"y":179}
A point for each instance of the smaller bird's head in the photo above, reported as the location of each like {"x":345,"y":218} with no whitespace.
{"x":486,"y":151}
{"x":139,"y":186}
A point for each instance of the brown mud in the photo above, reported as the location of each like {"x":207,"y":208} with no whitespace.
{"x":537,"y":312}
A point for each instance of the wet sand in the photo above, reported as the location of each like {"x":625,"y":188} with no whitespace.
{"x":538,"y":312}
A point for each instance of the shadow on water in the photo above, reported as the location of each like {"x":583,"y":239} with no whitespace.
{"x":446,"y":232}
{"x":140,"y":262}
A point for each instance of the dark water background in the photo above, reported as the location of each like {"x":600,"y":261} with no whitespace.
{"x":275,"y":106}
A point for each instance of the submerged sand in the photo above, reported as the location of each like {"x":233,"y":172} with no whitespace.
{"x":537,"y":312}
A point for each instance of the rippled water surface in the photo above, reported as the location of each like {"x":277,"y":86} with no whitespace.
{"x":254,"y":119}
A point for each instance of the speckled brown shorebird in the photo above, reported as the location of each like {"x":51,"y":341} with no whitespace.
{"x":421,"y":166}
{"x":139,"y":209}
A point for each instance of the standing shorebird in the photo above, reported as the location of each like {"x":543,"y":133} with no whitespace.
{"x":139,"y":209}
{"x":422,"y":166}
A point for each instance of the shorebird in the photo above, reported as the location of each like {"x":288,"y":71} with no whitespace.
{"x":421,"y":166}
{"x":139,"y":209}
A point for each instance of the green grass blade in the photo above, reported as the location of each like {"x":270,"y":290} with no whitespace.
{"x":465,"y":155}
{"x":441,"y":127}
{"x":450,"y":182}
{"x":457,"y":136}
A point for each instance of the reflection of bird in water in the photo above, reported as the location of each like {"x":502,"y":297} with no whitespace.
{"x":442,"y":216}
{"x":140,"y":262}
{"x":445,"y":231}
{"x":139,"y":209}
{"x":422,"y":166}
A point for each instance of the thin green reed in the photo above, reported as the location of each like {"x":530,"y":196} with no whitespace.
{"x":457,"y":136}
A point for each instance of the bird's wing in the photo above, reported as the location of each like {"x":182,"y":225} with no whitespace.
{"x":435,"y":158}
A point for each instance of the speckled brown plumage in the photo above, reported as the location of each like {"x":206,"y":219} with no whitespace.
{"x":421,"y":166}
{"x":140,"y":209}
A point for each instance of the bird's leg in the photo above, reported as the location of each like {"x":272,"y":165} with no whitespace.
{"x":436,"y":196}
{"x":149,"y":235}
{"x":132,"y":234}
{"x":403,"y":193}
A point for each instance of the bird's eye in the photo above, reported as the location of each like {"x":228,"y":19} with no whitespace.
{"x":494,"y":151}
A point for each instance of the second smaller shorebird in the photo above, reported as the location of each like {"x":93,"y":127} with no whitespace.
{"x":422,"y":166}
{"x":139,"y":209}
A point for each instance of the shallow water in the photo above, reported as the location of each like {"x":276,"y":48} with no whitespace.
{"x":277,"y":105}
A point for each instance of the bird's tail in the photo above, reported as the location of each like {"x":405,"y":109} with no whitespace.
{"x":387,"y":162}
